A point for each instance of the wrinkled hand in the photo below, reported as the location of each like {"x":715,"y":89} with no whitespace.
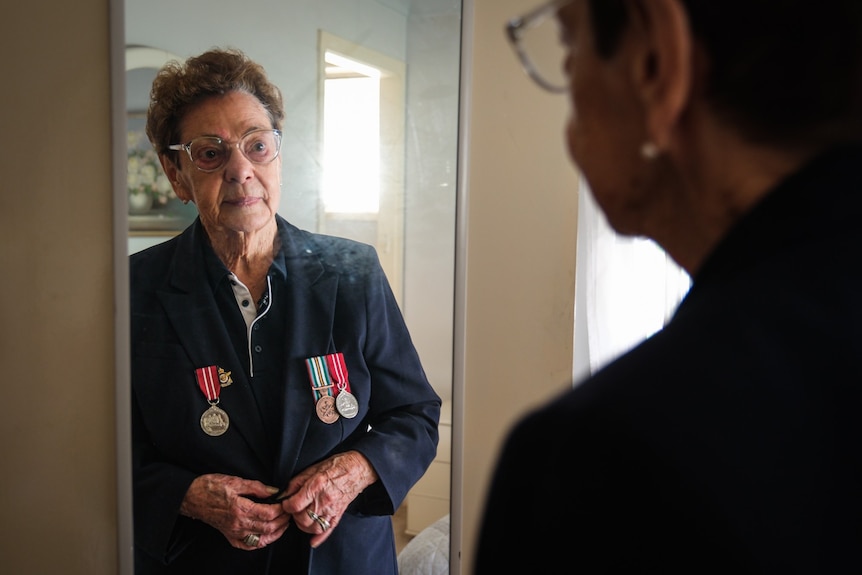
{"x":222,"y":501}
{"x":326,"y":489}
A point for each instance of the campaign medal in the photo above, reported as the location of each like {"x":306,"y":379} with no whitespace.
{"x":345,"y":402}
{"x":325,"y":408}
{"x":321,"y":387}
{"x":214,"y":420}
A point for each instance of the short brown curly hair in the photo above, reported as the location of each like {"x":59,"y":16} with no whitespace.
{"x":180,"y":86}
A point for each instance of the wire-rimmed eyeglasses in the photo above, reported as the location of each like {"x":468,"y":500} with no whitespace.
{"x":536,"y":40}
{"x":211,"y":153}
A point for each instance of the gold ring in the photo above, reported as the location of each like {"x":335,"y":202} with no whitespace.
{"x":252,"y":539}
{"x":324,"y":524}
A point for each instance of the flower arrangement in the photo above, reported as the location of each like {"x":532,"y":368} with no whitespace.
{"x":145,"y":175}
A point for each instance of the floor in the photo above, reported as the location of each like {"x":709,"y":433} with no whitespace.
{"x":399,"y":524}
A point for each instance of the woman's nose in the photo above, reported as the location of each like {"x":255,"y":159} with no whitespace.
{"x":238,"y":168}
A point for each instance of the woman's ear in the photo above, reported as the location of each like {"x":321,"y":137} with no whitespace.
{"x":663,"y":71}
{"x":175,"y":178}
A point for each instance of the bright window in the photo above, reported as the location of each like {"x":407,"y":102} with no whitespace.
{"x":362,"y":149}
{"x":351,"y":137}
{"x":626,"y":289}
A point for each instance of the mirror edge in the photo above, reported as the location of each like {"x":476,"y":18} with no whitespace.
{"x":460,"y":314}
{"x":118,"y":67}
{"x":122,"y":361}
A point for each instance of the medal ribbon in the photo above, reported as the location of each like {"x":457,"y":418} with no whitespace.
{"x":208,"y":382}
{"x":338,"y":371}
{"x":318,"y":373}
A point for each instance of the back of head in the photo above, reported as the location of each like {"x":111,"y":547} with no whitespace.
{"x":786,"y":73}
{"x":179,"y":87}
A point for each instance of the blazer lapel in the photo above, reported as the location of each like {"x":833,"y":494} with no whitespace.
{"x":311,"y":295}
{"x":194,"y":314}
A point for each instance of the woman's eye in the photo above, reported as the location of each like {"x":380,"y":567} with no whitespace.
{"x":209,"y":153}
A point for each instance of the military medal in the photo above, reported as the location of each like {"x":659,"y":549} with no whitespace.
{"x":332,"y":397}
{"x":345,"y":402}
{"x":321,"y":387}
{"x":325,"y":408}
{"x":214,"y":420}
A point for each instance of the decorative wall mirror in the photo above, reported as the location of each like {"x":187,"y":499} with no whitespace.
{"x":408,"y":52}
{"x":155,"y":213}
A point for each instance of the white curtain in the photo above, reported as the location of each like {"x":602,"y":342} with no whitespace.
{"x":626,"y":289}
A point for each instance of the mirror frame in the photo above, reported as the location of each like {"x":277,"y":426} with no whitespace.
{"x":122,"y":355}
{"x":145,"y":55}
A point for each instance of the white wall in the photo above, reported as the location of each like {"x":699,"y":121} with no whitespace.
{"x":433,"y":52}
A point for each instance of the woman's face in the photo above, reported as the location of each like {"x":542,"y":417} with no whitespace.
{"x":241,"y":196}
{"x":606,"y":127}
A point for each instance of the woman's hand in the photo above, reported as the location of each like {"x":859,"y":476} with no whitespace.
{"x":317,"y":497}
{"x":223,"y":502}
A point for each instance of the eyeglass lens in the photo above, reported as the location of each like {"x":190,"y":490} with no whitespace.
{"x":544,"y":51}
{"x":211,"y":153}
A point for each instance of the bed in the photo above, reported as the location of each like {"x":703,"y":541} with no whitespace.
{"x":428,"y":552}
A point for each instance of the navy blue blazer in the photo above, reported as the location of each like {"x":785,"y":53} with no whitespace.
{"x":339,"y":301}
{"x":729,"y":442}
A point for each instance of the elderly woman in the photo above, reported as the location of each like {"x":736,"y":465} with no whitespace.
{"x":280,"y":410}
{"x":730,"y":132}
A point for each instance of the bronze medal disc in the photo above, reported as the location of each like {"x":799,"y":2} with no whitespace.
{"x":346,"y":404}
{"x":326,"y":409}
{"x":214,"y":421}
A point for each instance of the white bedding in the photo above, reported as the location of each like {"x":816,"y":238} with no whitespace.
{"x":428,"y":552}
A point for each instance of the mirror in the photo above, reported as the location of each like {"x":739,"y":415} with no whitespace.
{"x":410,"y":50}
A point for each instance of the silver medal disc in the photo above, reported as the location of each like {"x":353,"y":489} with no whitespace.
{"x":214,"y":421}
{"x":346,"y":404}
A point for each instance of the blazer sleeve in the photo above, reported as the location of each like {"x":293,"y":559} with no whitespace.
{"x":404,"y":410}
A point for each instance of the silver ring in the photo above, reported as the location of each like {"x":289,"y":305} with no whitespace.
{"x":324,"y":524}
{"x":252,"y":539}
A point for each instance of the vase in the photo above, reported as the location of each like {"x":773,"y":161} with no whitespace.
{"x":140,"y":203}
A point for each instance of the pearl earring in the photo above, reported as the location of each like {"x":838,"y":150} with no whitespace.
{"x":649,"y":151}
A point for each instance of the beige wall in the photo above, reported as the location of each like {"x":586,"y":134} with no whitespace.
{"x":58,"y":479}
{"x":58,"y":485}
{"x":521,"y":214}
